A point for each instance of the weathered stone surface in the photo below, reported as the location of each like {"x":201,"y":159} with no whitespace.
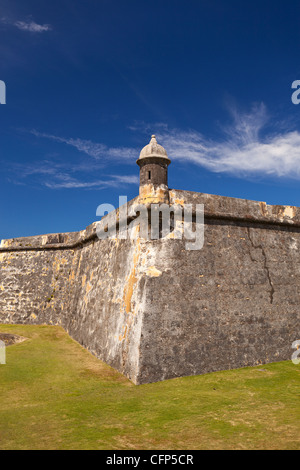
{"x":9,"y":339}
{"x":152,"y":309}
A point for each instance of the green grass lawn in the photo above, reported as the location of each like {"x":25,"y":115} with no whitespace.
{"x":56,"y":395}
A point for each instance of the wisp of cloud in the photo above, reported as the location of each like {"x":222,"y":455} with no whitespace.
{"x":243,"y":152}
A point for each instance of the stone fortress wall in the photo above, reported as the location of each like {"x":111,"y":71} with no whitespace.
{"x":154,"y":310}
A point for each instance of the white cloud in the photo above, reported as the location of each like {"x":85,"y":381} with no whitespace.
{"x":65,"y":176}
{"x":72,"y":183}
{"x":243,"y":152}
{"x":94,"y":149}
{"x":32,"y":27}
{"x":28,"y":25}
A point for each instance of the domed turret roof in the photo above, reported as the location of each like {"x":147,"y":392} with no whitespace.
{"x":153,"y":149}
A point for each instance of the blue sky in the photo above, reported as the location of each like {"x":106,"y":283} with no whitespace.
{"x":88,"y":82}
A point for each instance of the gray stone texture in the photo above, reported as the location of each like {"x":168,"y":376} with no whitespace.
{"x":152,"y":309}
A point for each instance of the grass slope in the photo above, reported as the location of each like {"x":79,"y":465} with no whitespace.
{"x":56,"y":395}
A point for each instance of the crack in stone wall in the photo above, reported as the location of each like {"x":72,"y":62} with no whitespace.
{"x":162,"y":311}
{"x":260,"y":246}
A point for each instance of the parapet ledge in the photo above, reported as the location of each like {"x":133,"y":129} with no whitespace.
{"x":221,"y":207}
{"x":215,"y":207}
{"x":56,"y":241}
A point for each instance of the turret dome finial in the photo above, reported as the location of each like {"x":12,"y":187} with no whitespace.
{"x":153,"y":149}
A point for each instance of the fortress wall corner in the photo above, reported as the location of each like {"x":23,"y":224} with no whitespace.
{"x":153,"y":309}
{"x":232,"y":304}
{"x":94,"y":290}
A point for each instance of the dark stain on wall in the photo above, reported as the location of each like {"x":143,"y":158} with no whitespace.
{"x":154,"y":310}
